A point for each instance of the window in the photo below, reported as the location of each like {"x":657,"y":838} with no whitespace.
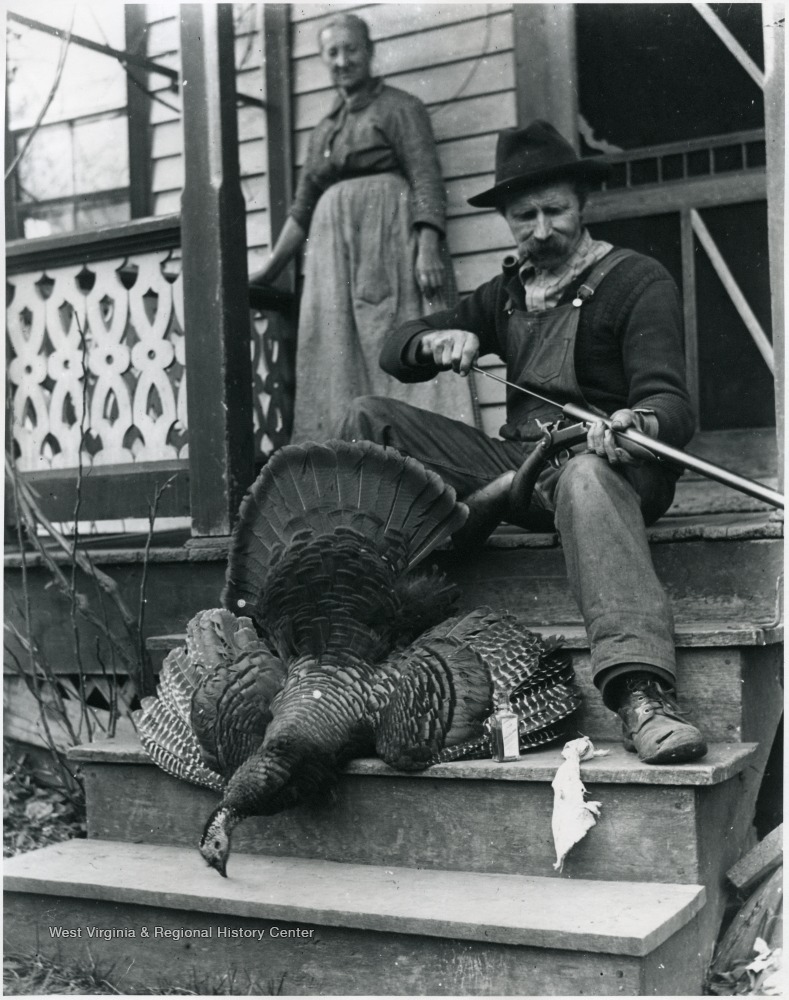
{"x":75,"y":172}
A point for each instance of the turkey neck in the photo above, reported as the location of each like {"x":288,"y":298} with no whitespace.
{"x":319,"y":711}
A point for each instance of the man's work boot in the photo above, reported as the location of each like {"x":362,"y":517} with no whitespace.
{"x":653,"y":725}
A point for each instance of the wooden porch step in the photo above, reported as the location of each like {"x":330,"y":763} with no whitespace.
{"x":472,"y":816}
{"x":335,"y":928}
{"x":728,"y":677}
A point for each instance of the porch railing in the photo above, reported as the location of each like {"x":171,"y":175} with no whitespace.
{"x":97,"y":357}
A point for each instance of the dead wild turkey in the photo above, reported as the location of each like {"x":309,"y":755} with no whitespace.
{"x":346,"y":652}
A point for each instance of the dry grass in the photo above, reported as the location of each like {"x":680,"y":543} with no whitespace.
{"x":35,"y":975}
{"x":35,"y":814}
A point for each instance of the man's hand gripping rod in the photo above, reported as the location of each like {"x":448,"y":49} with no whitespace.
{"x":659,"y":451}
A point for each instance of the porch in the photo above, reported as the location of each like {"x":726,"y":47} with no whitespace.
{"x":141,"y":377}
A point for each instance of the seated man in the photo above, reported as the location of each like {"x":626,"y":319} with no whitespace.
{"x":578,"y":321}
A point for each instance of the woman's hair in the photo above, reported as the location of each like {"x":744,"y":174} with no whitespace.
{"x":350,"y":21}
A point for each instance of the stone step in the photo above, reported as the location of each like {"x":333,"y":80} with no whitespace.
{"x":473,"y":816}
{"x":320,"y":927}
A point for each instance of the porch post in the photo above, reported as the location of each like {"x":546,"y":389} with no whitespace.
{"x":774,"y":60}
{"x":12,"y":228}
{"x":545,"y":65}
{"x":276,"y":49}
{"x":216,"y":298}
{"x":138,"y":116}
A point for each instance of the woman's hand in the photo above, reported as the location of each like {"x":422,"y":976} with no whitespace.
{"x":429,"y":268}
{"x":450,"y":349}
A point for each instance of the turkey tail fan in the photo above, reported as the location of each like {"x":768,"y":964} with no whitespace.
{"x":164,"y":729}
{"x":318,"y":489}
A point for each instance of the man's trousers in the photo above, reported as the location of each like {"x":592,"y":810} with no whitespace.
{"x":599,"y":510}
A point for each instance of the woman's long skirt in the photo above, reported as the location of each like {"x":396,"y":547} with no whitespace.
{"x":359,"y":286}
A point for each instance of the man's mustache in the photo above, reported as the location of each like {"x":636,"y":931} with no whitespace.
{"x":543,"y":248}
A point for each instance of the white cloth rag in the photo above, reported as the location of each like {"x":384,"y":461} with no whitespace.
{"x":573,"y":816}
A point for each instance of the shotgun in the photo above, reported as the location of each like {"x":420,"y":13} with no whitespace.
{"x":637,"y":443}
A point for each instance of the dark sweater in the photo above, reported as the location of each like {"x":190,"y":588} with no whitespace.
{"x":629,"y":348}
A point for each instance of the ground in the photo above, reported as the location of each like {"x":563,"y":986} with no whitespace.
{"x":37,"y":814}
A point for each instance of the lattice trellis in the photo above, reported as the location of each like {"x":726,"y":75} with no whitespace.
{"x":100,"y":348}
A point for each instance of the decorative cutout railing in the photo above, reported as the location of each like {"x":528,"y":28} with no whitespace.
{"x":97,"y":361}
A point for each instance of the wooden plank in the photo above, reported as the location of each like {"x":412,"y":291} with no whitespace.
{"x":255,"y":190}
{"x":168,"y":175}
{"x":162,"y":34}
{"x":688,"y":251}
{"x":167,"y":140}
{"x":472,"y":115}
{"x":138,"y":115}
{"x":101,"y":487}
{"x":709,"y":685}
{"x":460,"y":189}
{"x":442,"y":84}
{"x":258,"y":228}
{"x":577,"y":915}
{"x":13,"y":230}
{"x":758,"y":862}
{"x":419,"y":823}
{"x":723,"y":761}
{"x":387,"y":21}
{"x":251,"y":123}
{"x":218,"y":369}
{"x":545,"y":66}
{"x":279,"y":120}
{"x":751,"y":451}
{"x":475,"y":269}
{"x":474,"y":234}
{"x":335,"y":961}
{"x":22,"y":719}
{"x":712,"y":635}
{"x":673,"y":196}
{"x":731,"y":43}
{"x":166,"y":202}
{"x":703,"y":497}
{"x":727,"y":279}
{"x":412,"y":52}
{"x":311,"y":11}
{"x":101,"y":243}
{"x":775,"y":128}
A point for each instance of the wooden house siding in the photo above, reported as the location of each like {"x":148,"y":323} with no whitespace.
{"x":167,"y":144}
{"x":457,"y":58}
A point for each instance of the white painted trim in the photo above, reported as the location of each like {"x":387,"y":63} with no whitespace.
{"x":730,"y":42}
{"x":760,"y":338}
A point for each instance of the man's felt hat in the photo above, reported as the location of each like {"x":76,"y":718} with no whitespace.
{"x":535,"y":155}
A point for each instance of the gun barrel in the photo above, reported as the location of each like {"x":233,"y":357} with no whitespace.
{"x":665,"y":452}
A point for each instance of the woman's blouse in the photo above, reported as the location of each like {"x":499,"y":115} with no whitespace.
{"x":377,"y":130}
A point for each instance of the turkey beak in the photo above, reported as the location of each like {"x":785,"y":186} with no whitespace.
{"x":220,"y":866}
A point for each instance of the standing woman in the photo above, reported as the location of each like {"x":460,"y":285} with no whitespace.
{"x":372,"y":200}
